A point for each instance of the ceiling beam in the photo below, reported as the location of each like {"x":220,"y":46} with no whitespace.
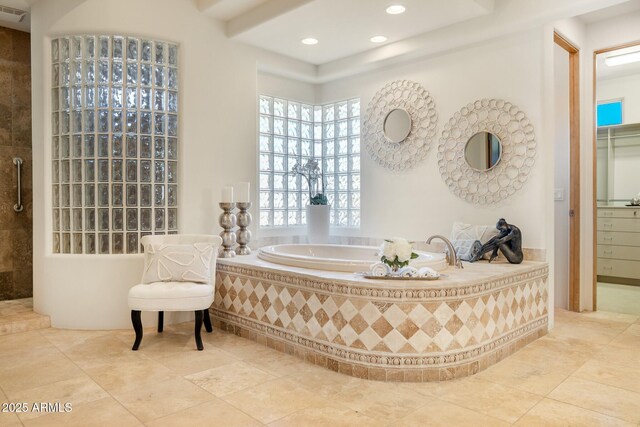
{"x":487,"y":5}
{"x":205,"y":6}
{"x":261,"y":14}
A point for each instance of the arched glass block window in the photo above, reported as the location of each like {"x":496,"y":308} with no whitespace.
{"x":115,"y":142}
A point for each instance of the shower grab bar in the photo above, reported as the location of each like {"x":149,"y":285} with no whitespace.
{"x":18,"y":162}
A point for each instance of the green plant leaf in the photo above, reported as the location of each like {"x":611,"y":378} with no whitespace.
{"x":414,"y":255}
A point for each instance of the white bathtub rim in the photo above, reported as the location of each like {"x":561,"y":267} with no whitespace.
{"x":271,"y":253}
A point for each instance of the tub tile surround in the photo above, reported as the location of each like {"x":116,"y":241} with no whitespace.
{"x":384,"y":330}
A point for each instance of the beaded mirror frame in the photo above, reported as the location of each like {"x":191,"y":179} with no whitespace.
{"x":416,"y":100}
{"x":517,"y":136}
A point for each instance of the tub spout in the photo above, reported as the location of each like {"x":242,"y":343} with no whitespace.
{"x":451,"y":252}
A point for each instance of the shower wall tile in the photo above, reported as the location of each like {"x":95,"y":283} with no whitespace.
{"x":16,"y":229}
{"x":6,"y":258}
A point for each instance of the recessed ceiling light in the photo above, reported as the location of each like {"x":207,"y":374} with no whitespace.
{"x":627,"y":58}
{"x":396,"y":9}
{"x":309,"y":41}
{"x":378,"y":39}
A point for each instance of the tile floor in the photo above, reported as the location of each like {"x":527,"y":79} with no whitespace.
{"x":585,"y":372}
{"x":619,"y":298}
{"x":17,"y":316}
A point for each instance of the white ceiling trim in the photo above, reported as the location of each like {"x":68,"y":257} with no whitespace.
{"x":510,"y":17}
{"x":261,"y":14}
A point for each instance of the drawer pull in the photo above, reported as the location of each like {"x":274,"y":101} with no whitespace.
{"x":607,"y":267}
{"x":608,"y":252}
{"x":608,"y":239}
{"x":608,"y":225}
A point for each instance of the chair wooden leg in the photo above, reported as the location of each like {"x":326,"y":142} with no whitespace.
{"x":207,"y":320}
{"x":199,"y":317}
{"x":160,"y":321}
{"x":137,"y":327}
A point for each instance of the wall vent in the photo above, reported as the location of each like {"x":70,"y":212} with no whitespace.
{"x":12,"y":15}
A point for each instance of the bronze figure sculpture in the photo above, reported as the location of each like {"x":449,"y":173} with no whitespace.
{"x":508,"y":241}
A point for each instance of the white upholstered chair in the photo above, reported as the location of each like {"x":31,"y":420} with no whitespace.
{"x":175,"y":296}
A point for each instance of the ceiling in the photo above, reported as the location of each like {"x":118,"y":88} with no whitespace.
{"x":343,"y":27}
{"x":610,"y":12}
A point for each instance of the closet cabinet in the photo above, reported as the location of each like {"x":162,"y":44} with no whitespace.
{"x":618,"y":235}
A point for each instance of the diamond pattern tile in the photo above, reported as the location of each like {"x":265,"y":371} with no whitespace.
{"x":402,"y":327}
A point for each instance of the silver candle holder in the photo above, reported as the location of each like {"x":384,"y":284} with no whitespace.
{"x":227,"y":221}
{"x":244,"y":235}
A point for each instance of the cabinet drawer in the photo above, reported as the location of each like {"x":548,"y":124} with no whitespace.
{"x":619,"y":224}
{"x":619,"y":213}
{"x":618,"y":268}
{"x":618,"y":238}
{"x":630,"y":253}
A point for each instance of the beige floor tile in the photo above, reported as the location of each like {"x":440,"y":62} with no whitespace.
{"x":628,"y":356}
{"x":539,"y":378}
{"x":549,"y":413}
{"x":38,"y":373}
{"x":64,"y":339}
{"x":607,"y":315}
{"x":215,"y":412}
{"x":155,"y":400}
{"x":9,"y":418}
{"x":564,"y":352}
{"x":492,"y":399}
{"x":99,"y":351}
{"x":323,"y":381}
{"x":611,"y":374}
{"x":331,"y":415}
{"x":102,"y":412}
{"x":189,"y":361}
{"x":627,"y":340}
{"x":613,"y":401}
{"x":276,"y":362}
{"x":24,"y":344}
{"x":274,"y":400}
{"x":230,"y":378}
{"x":75,"y":391}
{"x":123,"y":376}
{"x":585,"y":331}
{"x":438,"y":413}
{"x":241,"y":348}
{"x":381,"y":401}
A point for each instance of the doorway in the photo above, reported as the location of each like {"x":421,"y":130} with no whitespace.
{"x":616,"y":143}
{"x":567,"y":193}
{"x":16,"y":259}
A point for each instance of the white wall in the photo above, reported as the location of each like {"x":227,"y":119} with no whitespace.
{"x":561,"y":176}
{"x":627,"y":87}
{"x":217,"y":137}
{"x":417,"y":203}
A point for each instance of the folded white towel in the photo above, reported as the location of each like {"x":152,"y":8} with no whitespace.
{"x":428,"y":272}
{"x":408,"y":271}
{"x":379,"y":269}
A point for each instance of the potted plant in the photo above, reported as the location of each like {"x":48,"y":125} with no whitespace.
{"x":318,"y":210}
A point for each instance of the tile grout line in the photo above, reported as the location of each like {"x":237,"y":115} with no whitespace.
{"x":93,"y":380}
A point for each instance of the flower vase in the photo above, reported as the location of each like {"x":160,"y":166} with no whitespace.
{"x":318,"y":223}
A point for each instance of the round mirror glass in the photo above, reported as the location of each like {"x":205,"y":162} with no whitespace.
{"x":397,"y":125}
{"x":483,"y":151}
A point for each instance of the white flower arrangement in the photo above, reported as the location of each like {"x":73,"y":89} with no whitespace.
{"x":397,"y":253}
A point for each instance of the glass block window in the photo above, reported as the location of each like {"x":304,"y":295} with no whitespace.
{"x":292,"y":132}
{"x":115,"y":142}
